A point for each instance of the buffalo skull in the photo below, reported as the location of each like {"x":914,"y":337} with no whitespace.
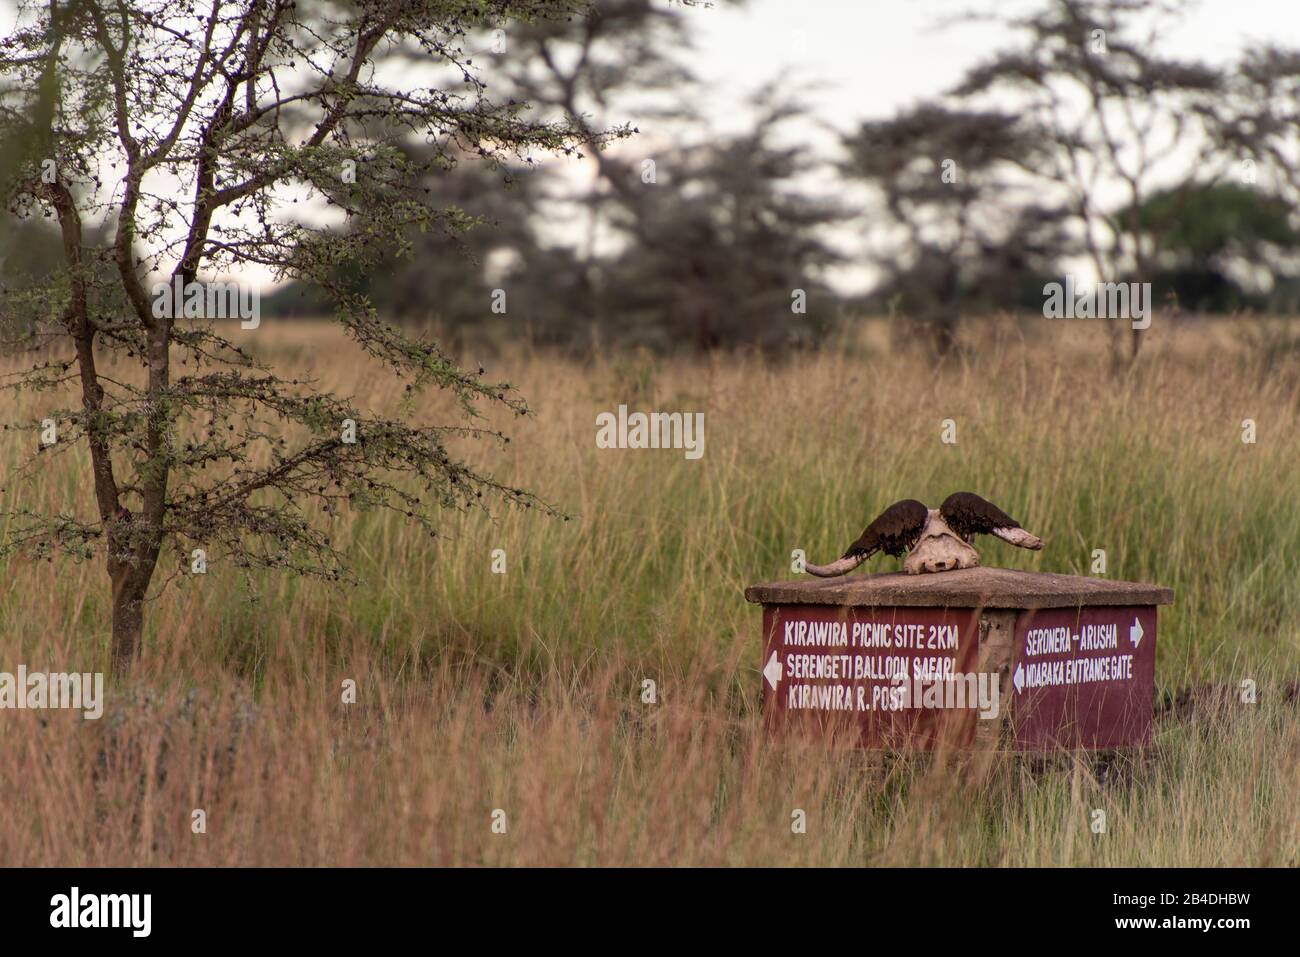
{"x":933,"y":539}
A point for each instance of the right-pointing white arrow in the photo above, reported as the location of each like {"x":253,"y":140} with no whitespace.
{"x":1019,"y":678}
{"x":1135,"y":632}
{"x":773,"y":672}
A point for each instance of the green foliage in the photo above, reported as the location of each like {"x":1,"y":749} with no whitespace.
{"x":179,"y":127}
{"x":1207,"y":230}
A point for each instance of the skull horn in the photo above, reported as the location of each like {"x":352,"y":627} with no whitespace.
{"x":834,"y":569}
{"x":1018,"y":536}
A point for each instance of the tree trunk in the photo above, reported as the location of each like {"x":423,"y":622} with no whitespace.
{"x":943,"y":336}
{"x":128,"y":624}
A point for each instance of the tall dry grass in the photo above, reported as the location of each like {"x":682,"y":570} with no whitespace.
{"x":522,"y":692}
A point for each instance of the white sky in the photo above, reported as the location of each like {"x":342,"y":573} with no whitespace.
{"x":870,"y":57}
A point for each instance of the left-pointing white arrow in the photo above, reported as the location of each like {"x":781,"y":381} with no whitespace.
{"x":1135,"y":632}
{"x":773,"y":672}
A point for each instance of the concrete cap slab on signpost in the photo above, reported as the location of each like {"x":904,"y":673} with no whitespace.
{"x":964,"y":588}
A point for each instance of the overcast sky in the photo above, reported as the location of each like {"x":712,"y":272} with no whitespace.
{"x":869,"y":57}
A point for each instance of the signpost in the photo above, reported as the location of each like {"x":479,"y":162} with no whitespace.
{"x":862,"y":664}
{"x":963,"y":658}
{"x":1084,"y":678}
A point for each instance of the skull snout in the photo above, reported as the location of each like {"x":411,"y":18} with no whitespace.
{"x":939,"y":550}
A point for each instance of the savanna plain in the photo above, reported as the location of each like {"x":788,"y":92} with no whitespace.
{"x":523,"y":692}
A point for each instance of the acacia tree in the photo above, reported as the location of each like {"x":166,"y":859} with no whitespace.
{"x":190,"y":132}
{"x":621,"y":59}
{"x":579,"y":69}
{"x":706,"y":250}
{"x":724,"y":251}
{"x":1117,"y":116}
{"x":968,"y":229}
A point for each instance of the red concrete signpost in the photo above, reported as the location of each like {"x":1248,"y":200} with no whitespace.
{"x":826,"y":662}
{"x":1084,"y":678}
{"x":1047,"y":661}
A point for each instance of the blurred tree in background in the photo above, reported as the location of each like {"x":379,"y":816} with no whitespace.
{"x":725,"y":253}
{"x":1229,"y":247}
{"x":971,"y":238}
{"x":712,"y":241}
{"x":707,"y":244}
{"x":1078,"y":146}
{"x":448,"y":270}
{"x":1117,"y":117}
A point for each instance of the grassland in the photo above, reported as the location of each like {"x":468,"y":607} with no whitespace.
{"x":523,"y":692}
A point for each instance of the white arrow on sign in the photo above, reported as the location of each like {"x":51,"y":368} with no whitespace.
{"x":773,"y":672}
{"x":1019,"y":678}
{"x":1135,"y":632}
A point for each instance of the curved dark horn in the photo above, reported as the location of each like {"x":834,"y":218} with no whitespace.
{"x":968,"y":515}
{"x":892,"y":531}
